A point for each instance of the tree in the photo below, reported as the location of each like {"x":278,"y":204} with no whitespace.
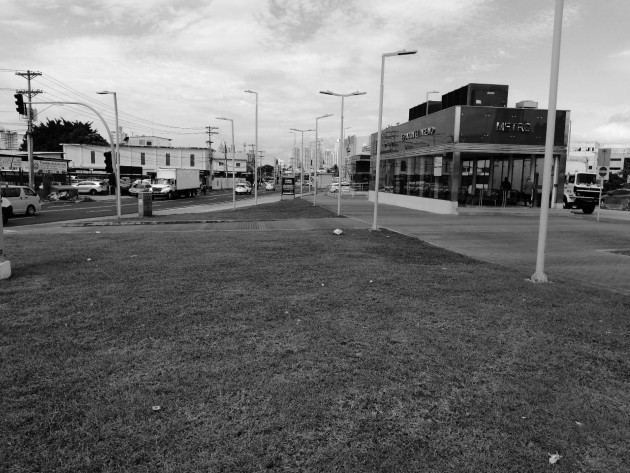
{"x":50,"y":135}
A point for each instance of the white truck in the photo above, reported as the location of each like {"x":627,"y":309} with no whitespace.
{"x":171,"y":183}
{"x":581,"y":191}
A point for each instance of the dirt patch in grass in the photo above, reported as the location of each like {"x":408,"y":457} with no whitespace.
{"x":301,"y":351}
{"x":282,"y":210}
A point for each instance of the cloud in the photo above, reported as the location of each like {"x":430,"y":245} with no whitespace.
{"x":611,"y":133}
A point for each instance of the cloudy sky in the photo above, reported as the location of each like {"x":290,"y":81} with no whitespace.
{"x":177,"y":65}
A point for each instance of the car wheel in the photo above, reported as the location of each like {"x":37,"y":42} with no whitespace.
{"x":30,"y":210}
{"x":5,"y":218}
{"x":565,"y":203}
{"x":93,"y":192}
{"x":588,"y":209}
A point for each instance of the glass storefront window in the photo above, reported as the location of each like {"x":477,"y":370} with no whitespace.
{"x":415,"y":176}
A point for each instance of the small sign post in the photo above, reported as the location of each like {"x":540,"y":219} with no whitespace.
{"x":603,"y":175}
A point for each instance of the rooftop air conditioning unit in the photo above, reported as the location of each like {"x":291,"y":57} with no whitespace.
{"x":527,"y":104}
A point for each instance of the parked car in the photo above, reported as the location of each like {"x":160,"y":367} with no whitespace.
{"x":242,"y":188}
{"x":91,"y":187}
{"x":618,"y":199}
{"x":23,"y":199}
{"x":140,"y":187}
{"x":270,"y":186}
{"x":7,"y":210}
{"x":345,"y":187}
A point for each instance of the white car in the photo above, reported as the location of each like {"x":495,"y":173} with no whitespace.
{"x":23,"y":199}
{"x":242,"y":188}
{"x":140,"y":187}
{"x":270,"y":186}
{"x":90,"y":187}
{"x":345,"y":187}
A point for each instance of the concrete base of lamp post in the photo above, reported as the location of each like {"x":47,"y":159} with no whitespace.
{"x":5,"y":269}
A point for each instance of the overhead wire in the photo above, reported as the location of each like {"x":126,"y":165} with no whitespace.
{"x":54,"y":90}
{"x":132,"y":121}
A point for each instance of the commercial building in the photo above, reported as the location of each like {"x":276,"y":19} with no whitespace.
{"x":460,"y":154}
{"x":141,"y":156}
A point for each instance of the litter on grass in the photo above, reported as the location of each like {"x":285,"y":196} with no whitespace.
{"x":156,"y":408}
{"x":338,"y":232}
{"x":553,"y":459}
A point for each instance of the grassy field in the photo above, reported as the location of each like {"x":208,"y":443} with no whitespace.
{"x":301,"y":351}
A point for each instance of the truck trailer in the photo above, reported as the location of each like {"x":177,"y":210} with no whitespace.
{"x":171,"y":183}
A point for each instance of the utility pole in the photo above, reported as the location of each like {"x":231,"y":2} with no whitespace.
{"x":28,"y":75}
{"x":226,"y":162}
{"x":254,"y":155}
{"x":210,"y":156}
{"x":260,"y":155}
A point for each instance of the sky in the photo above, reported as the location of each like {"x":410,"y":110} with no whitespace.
{"x":178,"y":65}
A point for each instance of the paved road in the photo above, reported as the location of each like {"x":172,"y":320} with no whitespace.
{"x":105,"y":206}
{"x":578,"y":246}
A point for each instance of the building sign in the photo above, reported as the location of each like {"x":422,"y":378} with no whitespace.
{"x":510,"y":126}
{"x":39,"y":165}
{"x":513,"y":127}
{"x":47,"y":167}
{"x":430,"y":130}
{"x":10,"y":163}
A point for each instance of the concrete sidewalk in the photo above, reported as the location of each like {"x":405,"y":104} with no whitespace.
{"x":578,"y":247}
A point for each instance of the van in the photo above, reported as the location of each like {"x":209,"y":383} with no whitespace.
{"x":23,"y":199}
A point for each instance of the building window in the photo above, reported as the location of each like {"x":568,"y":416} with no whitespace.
{"x":168,"y":159}
{"x":93,"y":157}
{"x":142,"y":160}
{"x":142,"y":142}
{"x":238,"y":165}
{"x":149,"y":143}
{"x":192,"y":160}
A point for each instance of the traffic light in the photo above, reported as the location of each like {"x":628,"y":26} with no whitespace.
{"x":109,"y":168}
{"x":19,"y":102}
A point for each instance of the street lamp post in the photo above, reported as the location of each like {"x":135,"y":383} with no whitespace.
{"x":293,"y":152}
{"x":343,"y":96}
{"x":302,"y":161}
{"x":256,"y":151}
{"x":233,"y":164}
{"x":380,"y":125}
{"x":432,"y":92}
{"x":316,"y":153}
{"x":540,"y":276}
{"x":117,"y":153}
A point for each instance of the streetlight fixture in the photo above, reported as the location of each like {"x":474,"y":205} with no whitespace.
{"x":432,"y":92}
{"x":302,"y":161}
{"x":233,"y":164}
{"x":380,"y":125}
{"x":316,"y":153}
{"x":117,"y":153}
{"x":343,"y":96}
{"x":256,"y":151}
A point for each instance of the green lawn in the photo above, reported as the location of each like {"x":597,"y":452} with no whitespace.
{"x":301,"y":351}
